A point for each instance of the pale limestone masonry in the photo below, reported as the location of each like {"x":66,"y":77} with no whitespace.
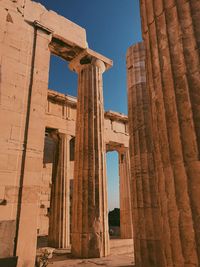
{"x":39,"y":168}
{"x":28,"y":35}
{"x":37,"y":137}
{"x":61,"y":115}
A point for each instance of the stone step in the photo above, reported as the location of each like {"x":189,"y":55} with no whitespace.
{"x":121,"y":246}
{"x":117,"y":247}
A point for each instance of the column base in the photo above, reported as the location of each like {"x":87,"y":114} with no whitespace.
{"x":88,"y":246}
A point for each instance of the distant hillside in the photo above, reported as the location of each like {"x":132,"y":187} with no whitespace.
{"x":114,"y":217}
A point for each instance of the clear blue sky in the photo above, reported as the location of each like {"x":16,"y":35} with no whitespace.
{"x":113,"y":179}
{"x":112,"y":26}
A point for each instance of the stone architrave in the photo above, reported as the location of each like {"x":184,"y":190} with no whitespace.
{"x":126,"y":229}
{"x":59,"y":221}
{"x":171,"y":36}
{"x":90,"y":238}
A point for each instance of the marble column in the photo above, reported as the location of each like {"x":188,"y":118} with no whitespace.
{"x":170,"y":32}
{"x":90,"y":238}
{"x":59,"y":220}
{"x":146,"y":202}
{"x":126,"y":229}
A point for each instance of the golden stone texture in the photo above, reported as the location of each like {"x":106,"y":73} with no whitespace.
{"x":37,"y":130}
{"x":171,"y":38}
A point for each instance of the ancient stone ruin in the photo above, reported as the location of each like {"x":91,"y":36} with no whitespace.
{"x":164,"y":121}
{"x":52,"y":170}
{"x":43,"y":193}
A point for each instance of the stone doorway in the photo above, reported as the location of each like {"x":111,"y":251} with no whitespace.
{"x":112,"y":163}
{"x":120,"y":230}
{"x":126,"y":228}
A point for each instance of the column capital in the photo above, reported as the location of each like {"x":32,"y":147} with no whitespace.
{"x":90,"y":57}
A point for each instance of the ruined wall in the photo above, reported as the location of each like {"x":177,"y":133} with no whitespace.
{"x":45,"y":186}
{"x":28,"y":35}
{"x":24,"y":66}
{"x":61,"y":115}
{"x":116,"y":129}
{"x":171,"y":36}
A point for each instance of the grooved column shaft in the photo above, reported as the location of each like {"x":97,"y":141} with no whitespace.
{"x":89,"y":215}
{"x":59,"y":221}
{"x":170,"y":31}
{"x":126,"y":230}
{"x":148,"y":238}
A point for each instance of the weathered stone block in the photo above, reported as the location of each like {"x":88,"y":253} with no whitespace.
{"x":7,"y":235}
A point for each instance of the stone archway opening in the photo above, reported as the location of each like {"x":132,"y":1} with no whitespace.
{"x":55,"y":204}
{"x":113,"y":194}
{"x":60,"y":232}
{"x":119,"y":199}
{"x":61,"y":78}
{"x":122,"y":170}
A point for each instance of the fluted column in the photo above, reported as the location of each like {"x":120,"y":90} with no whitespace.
{"x":170,"y":32}
{"x":146,"y":202}
{"x":126,"y":228}
{"x":90,"y":237}
{"x":59,"y":221}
